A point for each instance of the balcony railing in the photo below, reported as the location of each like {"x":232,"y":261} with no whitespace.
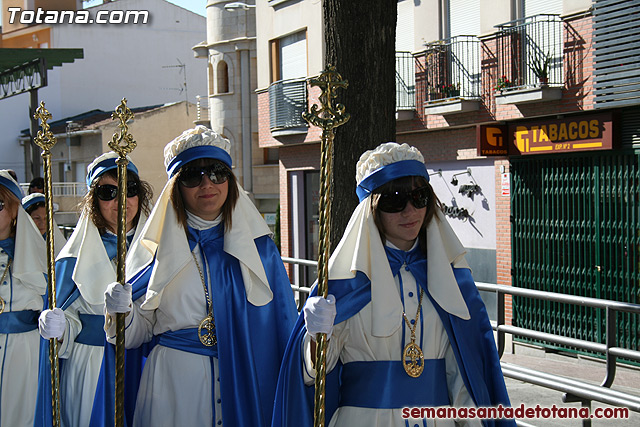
{"x":63,"y":189}
{"x":452,"y":69}
{"x":287,"y":102}
{"x":405,"y":81}
{"x":202,"y":108}
{"x":529,"y":53}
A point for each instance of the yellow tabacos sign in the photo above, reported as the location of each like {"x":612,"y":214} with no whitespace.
{"x":572,"y":134}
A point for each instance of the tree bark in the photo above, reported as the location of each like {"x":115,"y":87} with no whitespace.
{"x":360,"y":42}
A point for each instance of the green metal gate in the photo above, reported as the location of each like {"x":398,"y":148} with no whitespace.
{"x":576,"y":230}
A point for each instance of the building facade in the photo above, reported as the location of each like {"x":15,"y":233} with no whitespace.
{"x":231,"y":100}
{"x":528,"y":115}
{"x":147,"y":63}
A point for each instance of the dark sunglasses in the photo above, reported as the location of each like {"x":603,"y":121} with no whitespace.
{"x":192,"y":176}
{"x":396,"y":201}
{"x":109,"y":192}
{"x":1,"y":205}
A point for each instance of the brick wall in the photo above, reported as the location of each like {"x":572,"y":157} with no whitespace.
{"x":453,"y":137}
{"x":503,"y":236}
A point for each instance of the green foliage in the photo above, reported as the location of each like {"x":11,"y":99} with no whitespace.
{"x":540,"y":66}
{"x":503,"y":83}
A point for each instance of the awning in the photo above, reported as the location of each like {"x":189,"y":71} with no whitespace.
{"x":22,"y":70}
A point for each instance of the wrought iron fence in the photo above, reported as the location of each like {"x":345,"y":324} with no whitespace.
{"x":287,"y":102}
{"x":530,"y":52}
{"x":405,"y":81}
{"x":452,"y":68}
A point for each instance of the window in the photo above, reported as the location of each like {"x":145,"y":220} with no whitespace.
{"x":289,"y":57}
{"x":211,"y":80}
{"x":222,"y":77}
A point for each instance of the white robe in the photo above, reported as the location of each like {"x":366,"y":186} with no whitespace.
{"x":353,"y":341}
{"x":19,"y":352}
{"x":81,"y":369}
{"x":79,"y":373}
{"x":182,"y":305}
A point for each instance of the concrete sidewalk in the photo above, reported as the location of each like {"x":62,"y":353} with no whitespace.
{"x":589,"y":370}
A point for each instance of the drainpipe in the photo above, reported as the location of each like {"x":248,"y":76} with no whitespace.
{"x":245,"y":102}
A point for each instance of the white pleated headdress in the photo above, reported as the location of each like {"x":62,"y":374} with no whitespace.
{"x":164,"y":237}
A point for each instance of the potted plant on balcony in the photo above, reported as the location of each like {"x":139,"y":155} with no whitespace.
{"x":503,"y":83}
{"x":540,"y":68}
{"x":451,"y":90}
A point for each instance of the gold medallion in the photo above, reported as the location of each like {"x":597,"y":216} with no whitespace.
{"x":413,"y":360}
{"x":4,"y":274}
{"x":206,"y":332}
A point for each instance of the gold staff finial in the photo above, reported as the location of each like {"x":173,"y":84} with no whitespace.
{"x":328,"y":117}
{"x":123,"y":144}
{"x":45,"y":140}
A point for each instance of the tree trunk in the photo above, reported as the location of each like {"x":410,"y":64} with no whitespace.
{"x":360,"y":42}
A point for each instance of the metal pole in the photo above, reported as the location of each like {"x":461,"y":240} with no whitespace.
{"x":122,"y":143}
{"x":327,"y":118}
{"x":46,"y":141}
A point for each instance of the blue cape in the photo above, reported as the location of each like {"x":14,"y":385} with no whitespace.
{"x":251,"y":339}
{"x":471,"y":340}
{"x":103,"y":412}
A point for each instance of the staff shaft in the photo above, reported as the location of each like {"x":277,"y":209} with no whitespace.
{"x":51,"y":288}
{"x":120,"y":317}
{"x":326,"y":167}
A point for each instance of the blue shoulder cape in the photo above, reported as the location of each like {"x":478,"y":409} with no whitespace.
{"x":251,"y":339}
{"x":103,"y":412}
{"x":471,"y":340}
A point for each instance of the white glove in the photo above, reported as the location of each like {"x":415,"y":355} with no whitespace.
{"x":319,"y":314}
{"x":117,"y":298}
{"x":52,"y":323}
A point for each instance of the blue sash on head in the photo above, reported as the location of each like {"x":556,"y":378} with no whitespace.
{"x":388,"y":173}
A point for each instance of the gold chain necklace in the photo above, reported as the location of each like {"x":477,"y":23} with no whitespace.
{"x":206,"y":329}
{"x":4,"y":274}
{"x":412,"y":356}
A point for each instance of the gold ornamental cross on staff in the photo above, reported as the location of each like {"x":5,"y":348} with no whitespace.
{"x":122,"y":143}
{"x":328,"y":117}
{"x":45,"y":140}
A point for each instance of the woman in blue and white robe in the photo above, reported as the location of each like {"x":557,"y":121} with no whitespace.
{"x":398,"y":269}
{"x":205,"y":252}
{"x":84,"y":268}
{"x":23,"y":285}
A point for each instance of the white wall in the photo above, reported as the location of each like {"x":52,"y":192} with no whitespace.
{"x":480,"y":230}
{"x":119,"y":61}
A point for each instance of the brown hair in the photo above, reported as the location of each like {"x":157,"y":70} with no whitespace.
{"x":11,"y":203}
{"x":404,"y":184}
{"x":90,"y":202}
{"x":228,"y":206}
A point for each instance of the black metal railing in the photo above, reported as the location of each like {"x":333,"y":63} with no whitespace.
{"x":530,"y":53}
{"x":574,"y":389}
{"x":405,"y":81}
{"x":287,"y":102}
{"x":452,"y":68}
